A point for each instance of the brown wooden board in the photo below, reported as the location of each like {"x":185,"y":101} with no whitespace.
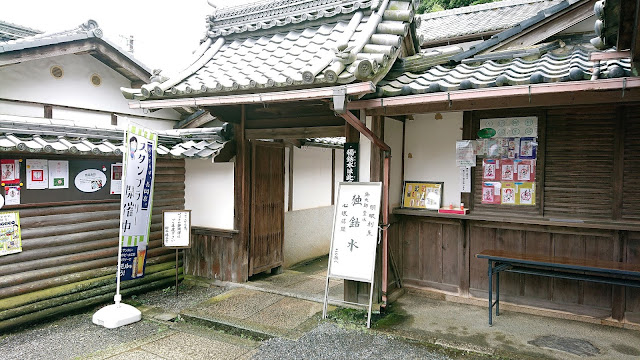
{"x":267,"y":207}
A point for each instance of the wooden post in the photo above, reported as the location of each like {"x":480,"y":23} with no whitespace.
{"x":241,"y":201}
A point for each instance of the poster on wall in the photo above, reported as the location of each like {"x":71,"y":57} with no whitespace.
{"x":136,"y":204}
{"x":465,"y":179}
{"x":525,"y":170}
{"x":506,"y":170}
{"x":37,"y":174}
{"x":10,"y":237}
{"x":491,"y":192}
{"x":512,"y":127}
{"x":526,"y":193}
{"x":351,"y":169}
{"x":116,"y":179}
{"x":465,"y":153}
{"x":10,"y":170}
{"x":422,"y":195}
{"x":509,"y":193}
{"x":528,"y":148}
{"x":490,"y":168}
{"x":58,"y":174}
{"x":90,"y":180}
{"x":12,"y":195}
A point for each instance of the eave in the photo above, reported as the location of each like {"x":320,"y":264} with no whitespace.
{"x":555,"y":94}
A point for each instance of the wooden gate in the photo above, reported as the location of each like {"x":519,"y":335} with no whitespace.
{"x":267,"y":207}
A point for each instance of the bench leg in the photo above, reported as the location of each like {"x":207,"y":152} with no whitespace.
{"x":490,"y":292}
{"x":497,"y":293}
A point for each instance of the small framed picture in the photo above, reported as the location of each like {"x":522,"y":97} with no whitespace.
{"x":422,"y":194}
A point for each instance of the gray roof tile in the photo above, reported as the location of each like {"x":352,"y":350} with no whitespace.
{"x":36,"y":135}
{"x":478,"y":19}
{"x":574,"y":66}
{"x":279,"y":58}
{"x":9,"y":31}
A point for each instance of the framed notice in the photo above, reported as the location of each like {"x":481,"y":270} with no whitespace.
{"x":422,"y":195}
{"x":176,"y":228}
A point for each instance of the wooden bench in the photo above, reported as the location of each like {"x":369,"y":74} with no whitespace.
{"x":607,"y":272}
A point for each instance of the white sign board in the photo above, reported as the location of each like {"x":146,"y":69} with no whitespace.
{"x":176,"y":228}
{"x":355,"y":231}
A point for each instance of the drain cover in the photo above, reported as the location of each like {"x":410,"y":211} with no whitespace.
{"x":574,"y":346}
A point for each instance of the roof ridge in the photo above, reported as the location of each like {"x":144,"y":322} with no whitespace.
{"x":478,"y":8}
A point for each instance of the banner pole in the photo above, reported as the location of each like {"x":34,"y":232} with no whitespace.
{"x":176,"y":272}
{"x":117,"y":297}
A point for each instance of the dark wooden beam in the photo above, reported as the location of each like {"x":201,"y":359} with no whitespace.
{"x":291,"y":122}
{"x":293,"y":142}
{"x":48,"y":112}
{"x":241,"y":198}
{"x":111,"y":57}
{"x":635,"y":41}
{"x":295,"y":133}
{"x":43,"y":52}
{"x":290,"y":202}
{"x":627,"y":21}
{"x":333,"y":176}
{"x":356,"y":123}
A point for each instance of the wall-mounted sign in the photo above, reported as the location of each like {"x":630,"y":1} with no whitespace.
{"x":176,"y":228}
{"x":37,"y":174}
{"x":58,"y":174}
{"x":116,"y":179}
{"x":351,"y":167}
{"x":422,"y":195}
{"x":10,"y":171}
{"x":90,"y":180}
{"x":10,"y":239}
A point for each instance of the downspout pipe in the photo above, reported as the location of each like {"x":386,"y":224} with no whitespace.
{"x":356,"y":123}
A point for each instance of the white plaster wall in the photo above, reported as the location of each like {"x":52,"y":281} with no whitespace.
{"x":430,"y":152}
{"x":311,"y":177}
{"x":209,"y":193}
{"x":13,"y":108}
{"x":364,"y":160}
{"x":307,"y":234}
{"x":31,"y":81}
{"x":393,"y":138}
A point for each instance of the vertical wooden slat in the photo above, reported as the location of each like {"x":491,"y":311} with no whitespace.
{"x":618,"y":164}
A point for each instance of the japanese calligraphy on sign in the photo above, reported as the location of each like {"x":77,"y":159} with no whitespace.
{"x":135,"y":211}
{"x":176,"y":228}
{"x":351,"y":162}
{"x":10,"y":239}
{"x":355,"y":231}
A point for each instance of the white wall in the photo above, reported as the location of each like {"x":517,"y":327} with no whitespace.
{"x":339,"y":171}
{"x":393,"y":138}
{"x":31,"y":81}
{"x":307,"y":234}
{"x":430,"y":152}
{"x":311,"y":177}
{"x":209,"y":193}
{"x":364,"y":159}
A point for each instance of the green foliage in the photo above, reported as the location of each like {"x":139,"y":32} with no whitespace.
{"x":427,"y":6}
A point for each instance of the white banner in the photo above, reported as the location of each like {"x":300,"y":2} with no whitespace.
{"x":355,"y":231}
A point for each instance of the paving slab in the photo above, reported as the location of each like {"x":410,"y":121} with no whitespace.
{"x":513,"y":335}
{"x":188,"y":346}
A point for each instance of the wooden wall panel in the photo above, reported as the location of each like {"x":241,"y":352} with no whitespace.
{"x":480,"y":238}
{"x":511,"y":240}
{"x":431,"y":252}
{"x":70,"y":254}
{"x":411,"y":253}
{"x":213,"y":255}
{"x":538,"y":243}
{"x":598,"y":248}
{"x":633,"y":294}
{"x":579,"y":162}
{"x":450,"y":251}
{"x":568,"y":291}
{"x":631,"y":182}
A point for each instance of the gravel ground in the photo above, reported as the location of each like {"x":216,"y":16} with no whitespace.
{"x":329,"y":341}
{"x":76,"y":335}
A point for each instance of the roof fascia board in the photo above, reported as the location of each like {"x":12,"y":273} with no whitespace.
{"x":84,"y":46}
{"x":398,"y":105}
{"x":260,"y":98}
{"x":43,"y":52}
{"x":549,"y":26}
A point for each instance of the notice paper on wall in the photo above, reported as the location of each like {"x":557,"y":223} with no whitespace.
{"x":465,"y":153}
{"x":58,"y":174}
{"x":465,"y":179}
{"x":12,"y":195}
{"x":37,"y":174}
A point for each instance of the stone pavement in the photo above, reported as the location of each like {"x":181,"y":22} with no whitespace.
{"x":279,"y":317}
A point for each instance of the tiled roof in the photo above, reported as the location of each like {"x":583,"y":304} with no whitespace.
{"x":9,"y":31}
{"x":340,"y":50}
{"x":478,"y":19}
{"x":88,"y":30}
{"x":574,"y":66}
{"x":267,"y":14}
{"x":51,"y":136}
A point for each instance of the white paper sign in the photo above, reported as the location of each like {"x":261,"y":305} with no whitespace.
{"x":90,"y":180}
{"x":58,"y":174}
{"x":37,"y":174}
{"x":12,"y":195}
{"x":465,"y":153}
{"x":465,"y":179}
{"x":116,"y":179}
{"x":355,"y":231}
{"x":176,"y":228}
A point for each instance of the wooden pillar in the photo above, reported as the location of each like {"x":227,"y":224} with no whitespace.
{"x":241,"y":200}
{"x":356,"y":291}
